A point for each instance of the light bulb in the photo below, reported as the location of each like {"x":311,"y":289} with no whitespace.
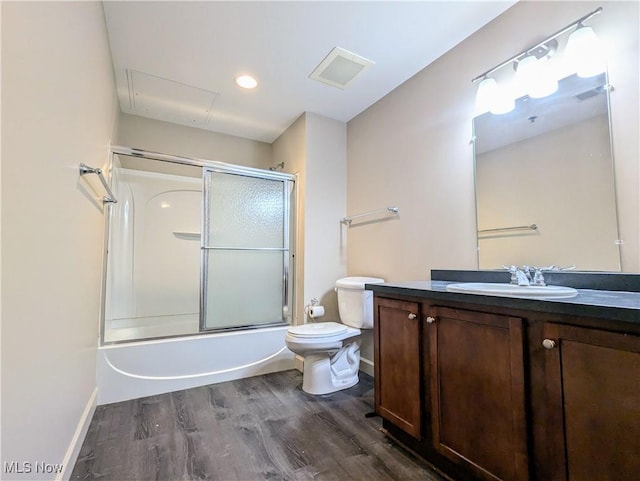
{"x":246,"y":82}
{"x":487,"y":90}
{"x":503,"y":104}
{"x":534,"y":75}
{"x":585,"y":51}
{"x":493,"y":98}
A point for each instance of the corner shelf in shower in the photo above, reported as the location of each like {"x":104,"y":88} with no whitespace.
{"x":187,"y":235}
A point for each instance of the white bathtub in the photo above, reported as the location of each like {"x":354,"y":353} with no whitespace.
{"x":138,"y":369}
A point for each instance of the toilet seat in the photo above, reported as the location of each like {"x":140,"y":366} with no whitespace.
{"x":318,"y":330}
{"x":319,"y":336}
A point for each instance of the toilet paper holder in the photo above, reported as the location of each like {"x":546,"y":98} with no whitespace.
{"x":314,"y":309}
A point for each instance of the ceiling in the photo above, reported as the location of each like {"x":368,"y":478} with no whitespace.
{"x":176,"y":61}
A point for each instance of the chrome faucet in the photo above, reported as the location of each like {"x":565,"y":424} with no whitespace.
{"x":523,"y":277}
{"x":518,"y":276}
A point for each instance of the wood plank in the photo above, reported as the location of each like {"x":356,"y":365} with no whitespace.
{"x":260,"y":428}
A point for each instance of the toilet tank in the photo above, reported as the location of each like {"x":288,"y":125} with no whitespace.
{"x":355,"y":304}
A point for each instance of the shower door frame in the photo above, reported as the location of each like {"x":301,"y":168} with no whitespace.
{"x":288,"y":192}
{"x":289,"y":294}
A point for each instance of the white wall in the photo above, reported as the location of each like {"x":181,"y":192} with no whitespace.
{"x":412,"y":148}
{"x":325,"y":204}
{"x":168,"y":138}
{"x":58,"y":109}
{"x":290,"y":148}
{"x":314,"y":148}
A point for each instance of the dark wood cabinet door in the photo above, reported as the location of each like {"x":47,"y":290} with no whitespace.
{"x":592,"y":379}
{"x":478,"y":392}
{"x":397,"y":363}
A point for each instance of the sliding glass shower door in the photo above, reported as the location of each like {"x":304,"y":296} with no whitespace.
{"x":245,"y":250}
{"x":195,"y":247}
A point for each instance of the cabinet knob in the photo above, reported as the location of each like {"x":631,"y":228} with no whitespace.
{"x":548,"y":343}
{"x":431,"y":320}
{"x":412,"y":315}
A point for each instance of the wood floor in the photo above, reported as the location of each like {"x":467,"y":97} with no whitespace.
{"x":261,"y":428}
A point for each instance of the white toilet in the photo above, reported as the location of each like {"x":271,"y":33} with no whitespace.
{"x":331,"y":351}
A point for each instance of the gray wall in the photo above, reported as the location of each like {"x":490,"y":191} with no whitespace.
{"x":412,"y":148}
{"x":58,"y":110}
{"x":168,"y":138}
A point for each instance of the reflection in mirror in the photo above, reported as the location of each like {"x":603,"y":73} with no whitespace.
{"x":544,"y":181}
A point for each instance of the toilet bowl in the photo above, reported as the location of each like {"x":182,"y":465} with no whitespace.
{"x":331,"y":351}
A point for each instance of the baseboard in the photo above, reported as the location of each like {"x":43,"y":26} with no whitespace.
{"x":366,"y":366}
{"x":73,"y":450}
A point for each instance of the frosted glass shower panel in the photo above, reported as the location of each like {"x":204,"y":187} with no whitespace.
{"x":245,"y":211}
{"x":244,"y":288}
{"x":245,"y":250}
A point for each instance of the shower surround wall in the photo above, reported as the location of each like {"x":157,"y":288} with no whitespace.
{"x":154,"y":256}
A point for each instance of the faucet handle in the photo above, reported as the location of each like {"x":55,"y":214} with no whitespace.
{"x":514,"y":273}
{"x":550,"y":268}
{"x":555,"y":268}
{"x":538,"y":277}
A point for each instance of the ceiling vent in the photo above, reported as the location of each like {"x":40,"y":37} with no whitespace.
{"x":340,"y":67}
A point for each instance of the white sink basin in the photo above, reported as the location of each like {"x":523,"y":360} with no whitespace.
{"x":510,"y":290}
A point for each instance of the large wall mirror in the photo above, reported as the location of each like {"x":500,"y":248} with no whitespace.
{"x":545,"y":187}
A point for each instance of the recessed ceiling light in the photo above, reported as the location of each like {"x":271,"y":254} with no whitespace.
{"x":246,"y":81}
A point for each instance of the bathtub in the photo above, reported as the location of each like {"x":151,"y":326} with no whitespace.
{"x":138,"y":369}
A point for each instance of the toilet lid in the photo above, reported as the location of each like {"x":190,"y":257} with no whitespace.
{"x":318,"y":329}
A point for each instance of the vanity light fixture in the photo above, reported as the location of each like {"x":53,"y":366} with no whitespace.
{"x":532,"y":69}
{"x":246,"y":81}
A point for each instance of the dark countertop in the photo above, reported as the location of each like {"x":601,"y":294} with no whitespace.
{"x":614,"y":305}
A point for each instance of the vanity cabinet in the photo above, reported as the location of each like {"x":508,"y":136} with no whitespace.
{"x":478,"y":415}
{"x":494,"y":392}
{"x":592,"y":378}
{"x":397,"y":372}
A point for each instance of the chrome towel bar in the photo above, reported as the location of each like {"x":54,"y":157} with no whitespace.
{"x":347,"y":220}
{"x":85,"y":169}
{"x":517,"y":227}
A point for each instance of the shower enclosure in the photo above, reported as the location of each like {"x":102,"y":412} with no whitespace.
{"x":195,"y":247}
